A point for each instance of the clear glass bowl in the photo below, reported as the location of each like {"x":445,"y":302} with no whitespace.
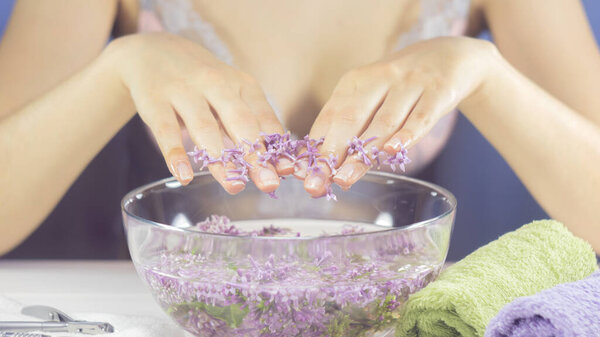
{"x":342,"y":268}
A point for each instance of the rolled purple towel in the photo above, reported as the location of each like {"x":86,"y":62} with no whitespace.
{"x":569,"y":309}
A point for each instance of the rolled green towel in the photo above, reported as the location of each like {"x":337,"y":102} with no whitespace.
{"x":468,"y":294}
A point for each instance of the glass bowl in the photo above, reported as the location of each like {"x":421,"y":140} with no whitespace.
{"x":301,"y":267}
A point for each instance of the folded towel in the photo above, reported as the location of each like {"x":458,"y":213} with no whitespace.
{"x":469,"y":293}
{"x":570,"y":309}
{"x":125,"y":326}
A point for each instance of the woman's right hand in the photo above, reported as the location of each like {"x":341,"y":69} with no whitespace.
{"x":168,"y":77}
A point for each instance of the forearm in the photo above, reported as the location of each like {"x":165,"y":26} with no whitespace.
{"x":554,"y":150}
{"x":46,"y":144}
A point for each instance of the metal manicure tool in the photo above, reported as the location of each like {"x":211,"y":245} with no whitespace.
{"x":57,"y":321}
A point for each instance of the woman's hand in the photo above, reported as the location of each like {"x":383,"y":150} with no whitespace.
{"x":397,"y":100}
{"x":170,"y":77}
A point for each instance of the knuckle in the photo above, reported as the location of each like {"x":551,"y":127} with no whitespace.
{"x":350,"y":80}
{"x":212,"y":76}
{"x":347,"y":118}
{"x":244,"y":123}
{"x":204,"y":123}
{"x":182,"y":87}
{"x":413,"y":75}
{"x":421,"y":117}
{"x":384,"y":70}
{"x":390,"y":70}
{"x":267,"y":116}
{"x":387,"y":122}
{"x":204,"y":132}
{"x":244,"y":114}
{"x":247,"y":78}
{"x":437,"y":83}
{"x":406,"y":133}
{"x":162,"y":129}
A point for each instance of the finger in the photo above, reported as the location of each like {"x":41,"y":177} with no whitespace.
{"x":430,"y":108}
{"x":344,"y":91}
{"x":206,"y":134}
{"x":254,"y":97}
{"x":161,"y":119}
{"x":318,"y":131}
{"x":241,"y":124}
{"x":389,"y":118}
{"x":348,"y":119}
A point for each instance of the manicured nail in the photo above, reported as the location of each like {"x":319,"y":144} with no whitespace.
{"x":395,"y":144}
{"x":268,"y":178}
{"x":235,"y":183}
{"x":315,"y":182}
{"x":184,"y":170}
{"x":300,"y":169}
{"x":350,"y":172}
{"x":285,"y":163}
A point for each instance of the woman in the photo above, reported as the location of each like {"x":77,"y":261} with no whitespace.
{"x":67,"y":97}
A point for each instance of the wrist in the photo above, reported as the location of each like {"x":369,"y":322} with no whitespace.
{"x":106,"y":70}
{"x":495,"y":66}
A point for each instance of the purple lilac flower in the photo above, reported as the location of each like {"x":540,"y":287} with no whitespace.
{"x":311,"y":292}
{"x":400,"y":159}
{"x":329,"y":194}
{"x":351,"y":229}
{"x":218,"y":224}
{"x":331,"y":162}
{"x":357,"y":146}
{"x":282,"y":296}
{"x":311,"y":153}
{"x":279,"y":146}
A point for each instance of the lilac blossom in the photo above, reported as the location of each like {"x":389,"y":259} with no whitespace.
{"x":278,"y":146}
{"x":317,"y":291}
{"x":400,"y":159}
{"x":357,"y":146}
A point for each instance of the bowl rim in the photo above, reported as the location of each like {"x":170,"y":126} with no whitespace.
{"x":130,"y":196}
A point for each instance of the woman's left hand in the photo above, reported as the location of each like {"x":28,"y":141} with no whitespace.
{"x":397,"y":100}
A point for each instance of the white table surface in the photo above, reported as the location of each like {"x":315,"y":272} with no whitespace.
{"x":111,"y":287}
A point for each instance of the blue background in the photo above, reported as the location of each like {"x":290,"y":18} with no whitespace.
{"x":491,"y":199}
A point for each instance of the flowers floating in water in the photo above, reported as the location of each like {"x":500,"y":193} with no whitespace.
{"x":278,"y":146}
{"x":218,"y":224}
{"x":314,"y":289}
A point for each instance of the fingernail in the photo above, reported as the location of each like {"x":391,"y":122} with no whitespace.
{"x":315,"y":182}
{"x":235,"y":183}
{"x":395,"y":144}
{"x":300,"y":169}
{"x":184,"y":171}
{"x":268,"y":178}
{"x":285,"y":163}
{"x":350,"y":172}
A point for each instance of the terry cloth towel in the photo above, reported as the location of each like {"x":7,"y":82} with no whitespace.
{"x":125,"y":326}
{"x":468,"y":294}
{"x":570,"y":309}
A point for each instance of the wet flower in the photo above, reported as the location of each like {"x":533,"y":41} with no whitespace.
{"x":313,"y":291}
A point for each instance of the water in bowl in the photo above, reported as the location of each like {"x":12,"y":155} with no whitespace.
{"x":315,"y":287}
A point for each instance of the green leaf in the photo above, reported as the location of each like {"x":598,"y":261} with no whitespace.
{"x":232,"y":266}
{"x":338,"y":325}
{"x":217,"y":312}
{"x":233,"y":314}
